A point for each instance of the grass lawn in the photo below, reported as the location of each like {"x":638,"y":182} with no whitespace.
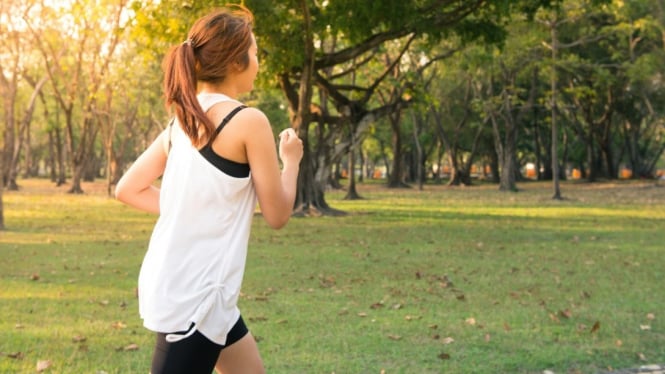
{"x":445,"y":280}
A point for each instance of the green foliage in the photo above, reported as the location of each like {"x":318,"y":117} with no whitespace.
{"x":445,"y":280}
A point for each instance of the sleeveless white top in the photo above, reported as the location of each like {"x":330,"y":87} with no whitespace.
{"x":193,"y":269}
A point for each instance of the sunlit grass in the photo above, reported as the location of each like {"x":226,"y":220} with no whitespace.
{"x":459,"y":280}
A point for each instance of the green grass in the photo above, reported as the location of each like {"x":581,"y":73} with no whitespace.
{"x":445,"y":280}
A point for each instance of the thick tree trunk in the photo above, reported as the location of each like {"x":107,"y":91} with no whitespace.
{"x":352,"y":193}
{"x":508,"y":181}
{"x":396,"y":178}
{"x":83,"y":155}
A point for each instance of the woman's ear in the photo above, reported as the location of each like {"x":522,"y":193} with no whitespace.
{"x":237,"y":67}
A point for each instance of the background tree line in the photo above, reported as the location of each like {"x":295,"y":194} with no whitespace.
{"x":410,"y":88}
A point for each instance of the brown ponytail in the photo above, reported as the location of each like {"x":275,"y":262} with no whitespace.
{"x":215,"y":42}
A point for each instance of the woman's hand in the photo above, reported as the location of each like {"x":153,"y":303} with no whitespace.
{"x":290,"y":147}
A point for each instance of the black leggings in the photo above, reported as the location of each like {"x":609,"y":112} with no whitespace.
{"x":194,"y":354}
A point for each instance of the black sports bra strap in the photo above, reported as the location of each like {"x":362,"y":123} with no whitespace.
{"x":226,"y":120}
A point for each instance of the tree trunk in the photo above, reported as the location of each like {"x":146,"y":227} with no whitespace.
{"x":60,"y":154}
{"x":555,"y":130}
{"x":507,"y":180}
{"x":396,"y":179}
{"x":83,"y":154}
{"x":419,"y":152}
{"x":23,"y":134}
{"x":8,"y":90}
{"x":352,"y":193}
{"x":310,"y":192}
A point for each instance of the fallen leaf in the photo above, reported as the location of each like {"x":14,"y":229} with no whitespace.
{"x":118,"y":325}
{"x":596,"y":327}
{"x":506,"y":327}
{"x":34,"y":277}
{"x":433,"y":327}
{"x":565,"y":313}
{"x":641,"y":356}
{"x":376,"y":305}
{"x":487,"y":338}
{"x":618,"y":343}
{"x":131,"y":347}
{"x":554,"y":318}
{"x":470,"y":321}
{"x":396,"y":306}
{"x":444,"y":356}
{"x":411,"y":318}
{"x":79,"y":339}
{"x":394,"y":337}
{"x":362,"y":314}
{"x":651,"y":316}
{"x":16,"y":355}
{"x":448,"y":340}
{"x":43,"y":365}
{"x":645,"y":327}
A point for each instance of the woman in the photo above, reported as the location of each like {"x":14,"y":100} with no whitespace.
{"x":191,"y":275}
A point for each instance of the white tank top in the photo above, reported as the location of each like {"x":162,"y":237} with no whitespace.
{"x":193,"y":269}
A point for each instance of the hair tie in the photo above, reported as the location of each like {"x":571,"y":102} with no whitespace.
{"x":188,"y":42}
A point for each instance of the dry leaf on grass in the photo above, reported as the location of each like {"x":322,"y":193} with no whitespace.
{"x":16,"y":355}
{"x":596,"y":327}
{"x":376,"y":305}
{"x":565,"y":313}
{"x":79,"y":339}
{"x":131,"y":347}
{"x":127,"y":348}
{"x":43,"y":365}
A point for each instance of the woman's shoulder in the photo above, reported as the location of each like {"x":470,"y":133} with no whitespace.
{"x":249,"y":117}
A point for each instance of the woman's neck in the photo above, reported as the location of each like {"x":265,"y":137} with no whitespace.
{"x":220,"y":88}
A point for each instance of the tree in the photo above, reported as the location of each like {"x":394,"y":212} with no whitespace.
{"x":78,"y":44}
{"x":362,"y":27}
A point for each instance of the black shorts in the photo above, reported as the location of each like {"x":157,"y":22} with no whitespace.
{"x":194,"y":354}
